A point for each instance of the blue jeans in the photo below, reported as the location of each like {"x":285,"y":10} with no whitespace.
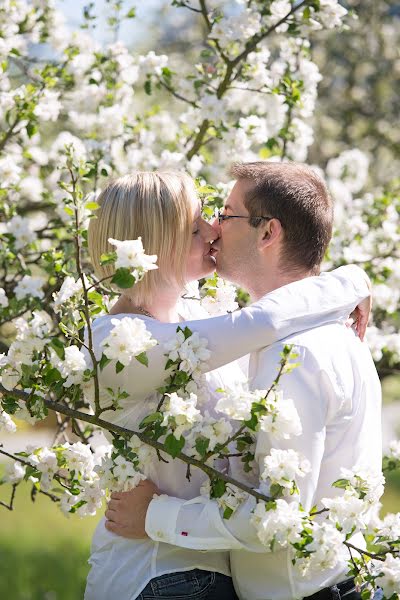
{"x":193,"y":585}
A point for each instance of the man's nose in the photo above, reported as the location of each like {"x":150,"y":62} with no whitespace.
{"x":216,"y":227}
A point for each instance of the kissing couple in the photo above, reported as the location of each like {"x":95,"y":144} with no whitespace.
{"x":164,"y":539}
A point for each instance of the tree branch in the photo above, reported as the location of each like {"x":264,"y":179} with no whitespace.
{"x":123,"y":431}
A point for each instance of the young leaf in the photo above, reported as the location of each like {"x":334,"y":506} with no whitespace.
{"x":174,"y":446}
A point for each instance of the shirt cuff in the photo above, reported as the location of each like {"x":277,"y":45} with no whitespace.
{"x":161,"y":518}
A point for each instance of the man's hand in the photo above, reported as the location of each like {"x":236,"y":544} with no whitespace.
{"x":126,"y":512}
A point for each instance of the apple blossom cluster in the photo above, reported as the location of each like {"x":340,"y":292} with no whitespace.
{"x":189,"y":351}
{"x":129,"y":338}
{"x":130,"y":255}
{"x":220,"y":297}
{"x":230,"y":500}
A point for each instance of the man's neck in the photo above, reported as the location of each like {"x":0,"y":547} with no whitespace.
{"x":269,"y":282}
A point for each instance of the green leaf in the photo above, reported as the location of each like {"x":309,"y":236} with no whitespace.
{"x":92,"y":206}
{"x":123,"y":278}
{"x":52,"y":376}
{"x":153,"y":418}
{"x":58,"y":347}
{"x":118,"y":367}
{"x":147,"y":87}
{"x":131,"y":13}
{"x":142,"y":358}
{"x":106,"y":259}
{"x":202,"y":444}
{"x":218,"y":488}
{"x":174,"y":446}
{"x":228,"y":512}
{"x":341,"y":483}
{"x":104,"y":361}
{"x":31,"y":129}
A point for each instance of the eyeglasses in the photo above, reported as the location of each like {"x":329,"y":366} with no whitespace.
{"x":222,"y":217}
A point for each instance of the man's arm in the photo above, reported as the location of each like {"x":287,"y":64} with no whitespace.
{"x":198,"y":524}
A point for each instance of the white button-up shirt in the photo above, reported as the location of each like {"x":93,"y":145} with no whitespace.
{"x":121,"y":568}
{"x":337,"y":394}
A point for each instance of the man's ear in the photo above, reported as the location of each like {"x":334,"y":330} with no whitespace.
{"x":270,"y":233}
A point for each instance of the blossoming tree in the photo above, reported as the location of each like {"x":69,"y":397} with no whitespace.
{"x":90,"y":111}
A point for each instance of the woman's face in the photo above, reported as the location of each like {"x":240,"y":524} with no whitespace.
{"x":200,"y":262}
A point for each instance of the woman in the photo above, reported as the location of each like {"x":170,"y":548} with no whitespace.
{"x":164,"y":210}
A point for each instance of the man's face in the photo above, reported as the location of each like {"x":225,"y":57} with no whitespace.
{"x":236,"y":248}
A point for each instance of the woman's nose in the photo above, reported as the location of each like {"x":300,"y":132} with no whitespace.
{"x":216,"y":227}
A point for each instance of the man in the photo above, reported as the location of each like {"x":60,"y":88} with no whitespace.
{"x":278,"y":219}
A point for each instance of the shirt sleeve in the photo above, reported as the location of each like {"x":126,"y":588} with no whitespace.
{"x":198,"y":523}
{"x":300,"y":305}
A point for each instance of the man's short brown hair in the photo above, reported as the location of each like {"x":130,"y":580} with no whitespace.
{"x":295,"y":195}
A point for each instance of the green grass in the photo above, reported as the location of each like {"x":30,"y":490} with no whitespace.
{"x":43,"y":555}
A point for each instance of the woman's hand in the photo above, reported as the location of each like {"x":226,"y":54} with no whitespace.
{"x":360,"y":316}
{"x":126,"y":512}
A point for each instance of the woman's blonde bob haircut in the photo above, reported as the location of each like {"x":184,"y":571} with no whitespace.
{"x":159,"y":208}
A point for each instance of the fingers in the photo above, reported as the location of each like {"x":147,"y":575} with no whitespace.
{"x":113,"y":504}
{"x":111,"y":515}
{"x":116,"y":495}
{"x":361,"y":326}
{"x":115,"y":528}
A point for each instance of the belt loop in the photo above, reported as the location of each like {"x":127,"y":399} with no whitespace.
{"x":335,"y":592}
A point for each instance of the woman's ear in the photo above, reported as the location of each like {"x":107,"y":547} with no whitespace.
{"x":270,"y":234}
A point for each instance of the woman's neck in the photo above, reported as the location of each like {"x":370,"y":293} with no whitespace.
{"x":163,"y":307}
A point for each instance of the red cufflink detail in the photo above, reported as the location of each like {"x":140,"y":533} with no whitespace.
{"x":184,"y":533}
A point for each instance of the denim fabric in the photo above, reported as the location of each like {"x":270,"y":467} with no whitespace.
{"x":193,"y":585}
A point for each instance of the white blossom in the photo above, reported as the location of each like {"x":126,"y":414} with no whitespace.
{"x":20,"y":227}
{"x":283,"y":421}
{"x":389,"y":580}
{"x":394,"y":450}
{"x":29,"y":286}
{"x":73,"y":366}
{"x":237,"y":401}
{"x":127,"y":477}
{"x":390,"y":526}
{"x":14,"y":472}
{"x":153,"y":62}
{"x":365,"y":482}
{"x":351,"y":167}
{"x":130,"y":255}
{"x":221,"y":300}
{"x":69,"y":288}
{"x":192,"y":352}
{"x":3,"y":298}
{"x":79,"y":458}
{"x":128,"y":338}
{"x":6,"y":422}
{"x":280,"y":526}
{"x":347,"y":512}
{"x":49,"y":106}
{"x":326,"y":550}
{"x":282,"y":467}
{"x":182,"y":411}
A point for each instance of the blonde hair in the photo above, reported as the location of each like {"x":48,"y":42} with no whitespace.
{"x":158,"y":207}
